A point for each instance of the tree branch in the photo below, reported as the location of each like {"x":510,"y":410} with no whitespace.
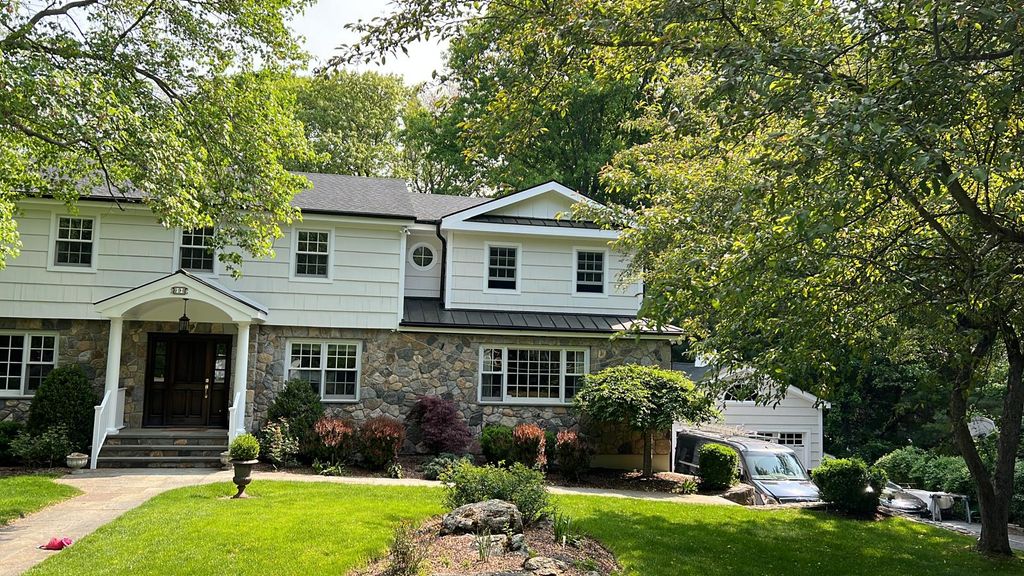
{"x":35,"y":19}
{"x":971,"y":209}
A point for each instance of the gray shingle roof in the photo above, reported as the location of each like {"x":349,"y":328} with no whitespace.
{"x":427,"y":312}
{"x":357,"y":195}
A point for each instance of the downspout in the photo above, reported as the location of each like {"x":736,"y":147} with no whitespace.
{"x":444,"y":262}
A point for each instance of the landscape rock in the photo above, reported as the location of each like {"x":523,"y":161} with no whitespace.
{"x":544,"y":566}
{"x":517,"y":543}
{"x":494,"y":516}
{"x":742,"y":494}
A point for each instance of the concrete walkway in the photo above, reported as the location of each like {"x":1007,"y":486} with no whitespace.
{"x":106,"y":494}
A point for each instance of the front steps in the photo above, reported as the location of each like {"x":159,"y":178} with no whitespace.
{"x":163,"y":448}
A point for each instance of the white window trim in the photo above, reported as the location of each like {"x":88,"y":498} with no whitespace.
{"x":604,"y":276}
{"x":22,"y":392}
{"x":292,"y":276}
{"x":519,"y":267}
{"x":323,"y":365}
{"x":51,"y":251}
{"x":177,"y":258}
{"x":433,"y":261}
{"x":505,"y":401}
{"x":783,"y":430}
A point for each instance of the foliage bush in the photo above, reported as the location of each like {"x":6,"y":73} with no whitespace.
{"x":435,"y":467}
{"x":405,"y":556}
{"x":844,"y":483}
{"x":278,"y":445}
{"x":50,"y":448}
{"x":528,"y":446}
{"x":244,"y":447}
{"x":946,"y":474}
{"x":328,"y":468}
{"x":518,"y":484}
{"x":381,"y":438}
{"x":9,"y":430}
{"x":300,"y":405}
{"x":572,"y":454}
{"x":901,"y":463}
{"x":440,"y":425}
{"x":337,"y":440}
{"x":65,"y":397}
{"x":496,"y":443}
{"x":1017,"y":502}
{"x":718,"y":466}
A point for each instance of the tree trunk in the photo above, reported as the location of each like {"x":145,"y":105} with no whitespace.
{"x":994,"y":490}
{"x":648,"y":453}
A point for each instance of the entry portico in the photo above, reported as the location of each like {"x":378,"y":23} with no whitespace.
{"x":199,"y":365}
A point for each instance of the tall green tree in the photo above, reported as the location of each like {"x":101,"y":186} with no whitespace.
{"x":352,"y":121}
{"x":156,"y":95}
{"x":826,"y":177}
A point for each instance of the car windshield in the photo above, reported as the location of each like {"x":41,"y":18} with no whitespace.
{"x":775,"y":466}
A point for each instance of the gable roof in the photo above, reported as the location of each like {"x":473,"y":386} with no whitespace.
{"x":353,"y":196}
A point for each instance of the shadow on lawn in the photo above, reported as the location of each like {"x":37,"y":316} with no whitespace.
{"x":711,"y":542}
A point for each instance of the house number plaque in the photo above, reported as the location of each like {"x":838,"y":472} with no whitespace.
{"x":179,"y":290}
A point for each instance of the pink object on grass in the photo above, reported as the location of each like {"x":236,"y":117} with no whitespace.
{"x":57,"y":544}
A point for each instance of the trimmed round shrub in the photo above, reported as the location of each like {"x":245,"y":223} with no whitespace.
{"x":244,"y":447}
{"x":719,"y":467}
{"x":528,"y":446}
{"x":440,"y":425}
{"x":572,"y":454}
{"x":9,"y":430}
{"x":381,"y":439}
{"x":518,"y":484}
{"x":65,"y":398}
{"x":849,"y":485}
{"x":338,"y":440}
{"x":434,"y":468}
{"x":300,"y":405}
{"x":496,"y":443}
{"x":901,"y":463}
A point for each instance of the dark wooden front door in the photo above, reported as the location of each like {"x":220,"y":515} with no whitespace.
{"x":187,"y":378}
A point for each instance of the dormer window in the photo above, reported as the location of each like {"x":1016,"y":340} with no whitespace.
{"x":502,"y":264}
{"x":590,"y":272}
{"x":196,"y":251}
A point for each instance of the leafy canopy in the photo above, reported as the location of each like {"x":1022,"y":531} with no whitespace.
{"x":158,"y":97}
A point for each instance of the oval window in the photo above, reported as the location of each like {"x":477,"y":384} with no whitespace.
{"x":422,"y":256}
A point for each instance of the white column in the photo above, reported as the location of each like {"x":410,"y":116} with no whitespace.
{"x":113,"y":376}
{"x":239,"y":376}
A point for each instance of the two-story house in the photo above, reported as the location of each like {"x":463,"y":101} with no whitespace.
{"x":377,"y":297}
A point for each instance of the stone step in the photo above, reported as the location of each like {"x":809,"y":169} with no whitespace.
{"x":160,"y":462}
{"x":167,"y":438}
{"x":162,"y":451}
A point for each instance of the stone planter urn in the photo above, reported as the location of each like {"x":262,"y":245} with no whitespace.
{"x":76,"y":461}
{"x":225,"y":460}
{"x":243,"y":475}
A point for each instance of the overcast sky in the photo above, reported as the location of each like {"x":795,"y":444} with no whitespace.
{"x":322,"y":25}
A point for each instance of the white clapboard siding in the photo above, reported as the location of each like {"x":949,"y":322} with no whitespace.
{"x":795,"y":413}
{"x":547,"y":276}
{"x":546,"y":205}
{"x":421,"y":283}
{"x":134,"y":249}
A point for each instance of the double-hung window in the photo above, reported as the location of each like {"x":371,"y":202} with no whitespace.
{"x":531,"y":375}
{"x":73,"y":246}
{"x":590,"y":272}
{"x":330,"y":366}
{"x":502,"y":267}
{"x":312,"y":254}
{"x":196,"y":251}
{"x":25,"y":360}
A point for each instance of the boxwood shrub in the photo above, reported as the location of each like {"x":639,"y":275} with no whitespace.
{"x":718,"y":466}
{"x":518,"y":484}
{"x":496,"y":443}
{"x":244,"y":447}
{"x":849,"y":485}
{"x":65,"y":398}
{"x":300,"y":405}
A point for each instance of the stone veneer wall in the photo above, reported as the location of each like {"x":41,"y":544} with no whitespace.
{"x":399,"y":367}
{"x":82,"y":342}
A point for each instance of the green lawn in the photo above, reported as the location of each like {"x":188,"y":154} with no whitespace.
{"x":321,"y":528}
{"x":21,"y":495}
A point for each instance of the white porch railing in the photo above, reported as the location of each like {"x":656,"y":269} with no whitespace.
{"x":236,"y":417}
{"x":102,"y":423}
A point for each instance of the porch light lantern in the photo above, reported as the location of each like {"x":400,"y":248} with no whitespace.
{"x":183,"y":322}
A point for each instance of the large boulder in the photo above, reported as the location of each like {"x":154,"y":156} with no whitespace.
{"x":543,"y":566}
{"x":742,"y":494}
{"x":493,"y":516}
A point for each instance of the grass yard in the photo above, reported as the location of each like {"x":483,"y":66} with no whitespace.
{"x":22,"y":495}
{"x":321,"y":528}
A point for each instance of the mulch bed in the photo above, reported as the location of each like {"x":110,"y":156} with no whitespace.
{"x":667,"y":482}
{"x":30,"y":471}
{"x":459,"y":554}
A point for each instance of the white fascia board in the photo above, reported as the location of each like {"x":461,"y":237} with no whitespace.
{"x":515,"y":198}
{"x":524,"y":230}
{"x":532,"y":333}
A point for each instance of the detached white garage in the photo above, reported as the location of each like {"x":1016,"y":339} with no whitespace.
{"x":796,"y":421}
